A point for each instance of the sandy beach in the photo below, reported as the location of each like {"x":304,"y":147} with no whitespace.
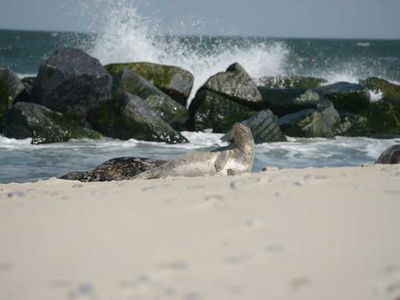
{"x":331,"y":233}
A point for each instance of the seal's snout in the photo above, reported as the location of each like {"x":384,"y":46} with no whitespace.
{"x":237,"y":130}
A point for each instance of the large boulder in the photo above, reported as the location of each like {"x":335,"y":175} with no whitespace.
{"x":294,"y":82}
{"x":235,"y":84}
{"x":128,"y":116}
{"x":10,"y":88}
{"x":390,"y":91}
{"x":210,"y":110}
{"x":167,"y":109}
{"x":226,"y":98}
{"x":265,"y":128}
{"x":283,"y":101}
{"x":174,"y":81}
{"x":122,"y":168}
{"x":346,"y":96}
{"x":383,"y":119}
{"x":380,"y":120}
{"x":30,"y":120}
{"x":71,"y":81}
{"x":319,"y":122}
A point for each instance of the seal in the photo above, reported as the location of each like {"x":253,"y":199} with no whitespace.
{"x":390,"y":156}
{"x":121,"y":168}
{"x":234,"y":159}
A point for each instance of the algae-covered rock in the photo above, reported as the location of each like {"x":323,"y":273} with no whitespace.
{"x":383,"y":119}
{"x":380,"y":120}
{"x":226,"y":98}
{"x":390,"y":91}
{"x":173,"y":81}
{"x":10,"y":88}
{"x":265,"y":128}
{"x":30,"y":120}
{"x":288,"y":100}
{"x":295,"y":82}
{"x":318,"y":122}
{"x":211,"y":110}
{"x":128,"y":116}
{"x":346,"y":96}
{"x":71,"y":81}
{"x":167,"y":109}
{"x":353,"y":125}
{"x":235,"y":84}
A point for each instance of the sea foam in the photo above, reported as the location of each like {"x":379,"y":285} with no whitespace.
{"x":127,"y":36}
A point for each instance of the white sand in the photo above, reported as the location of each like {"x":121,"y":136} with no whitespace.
{"x":283,"y":234}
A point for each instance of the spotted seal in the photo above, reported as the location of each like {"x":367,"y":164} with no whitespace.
{"x":236,"y":158}
{"x":121,"y":168}
{"x":390,"y":156}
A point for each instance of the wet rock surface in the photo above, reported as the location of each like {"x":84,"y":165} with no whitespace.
{"x":71,"y":81}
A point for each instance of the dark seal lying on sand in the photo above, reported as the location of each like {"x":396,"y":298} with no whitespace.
{"x":236,"y":158}
{"x":122,"y":168}
{"x":390,"y":156}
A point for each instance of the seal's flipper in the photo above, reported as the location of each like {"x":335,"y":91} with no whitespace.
{"x":221,"y":161}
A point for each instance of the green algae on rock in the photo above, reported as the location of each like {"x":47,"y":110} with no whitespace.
{"x":30,"y":120}
{"x":10,"y":88}
{"x":172,"y":80}
{"x":128,"y":116}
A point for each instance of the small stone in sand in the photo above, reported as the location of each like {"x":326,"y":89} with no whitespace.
{"x":15,"y":194}
{"x":192,"y":296}
{"x":270,"y":168}
{"x":175,"y":265}
{"x":274,"y":249}
{"x":299,"y":183}
{"x":238,"y":184}
{"x":214,"y":198}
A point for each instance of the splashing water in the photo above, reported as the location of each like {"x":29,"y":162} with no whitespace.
{"x":129,"y":37}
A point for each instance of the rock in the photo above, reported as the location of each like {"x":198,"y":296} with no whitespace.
{"x":211,"y":110}
{"x":128,"y":116}
{"x":318,"y":122}
{"x":265,"y":128}
{"x":123,"y":168}
{"x":167,"y":109}
{"x":346,"y":96}
{"x":30,"y":120}
{"x":173,"y":81}
{"x":383,"y":119}
{"x":71,"y":81}
{"x":288,"y":100}
{"x":26,"y":95}
{"x":296,"y":82}
{"x":390,"y":91}
{"x":351,"y":125}
{"x":235,"y":84}
{"x":390,"y":156}
{"x":226,"y":98}
{"x":10,"y":88}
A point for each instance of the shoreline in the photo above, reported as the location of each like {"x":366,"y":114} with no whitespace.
{"x":308,"y":233}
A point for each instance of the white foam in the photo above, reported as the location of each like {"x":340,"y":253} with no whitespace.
{"x":7,"y":143}
{"x":129,"y":37}
{"x":375,"y":96}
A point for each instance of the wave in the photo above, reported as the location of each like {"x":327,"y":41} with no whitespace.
{"x":127,"y":36}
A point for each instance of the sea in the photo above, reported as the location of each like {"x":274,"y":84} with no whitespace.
{"x":130,"y":39}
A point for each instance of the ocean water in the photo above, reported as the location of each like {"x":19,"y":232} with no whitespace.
{"x":127,"y":36}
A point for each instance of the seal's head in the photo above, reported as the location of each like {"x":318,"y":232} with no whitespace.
{"x":240,"y":135}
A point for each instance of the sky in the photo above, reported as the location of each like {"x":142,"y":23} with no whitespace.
{"x":271,"y":18}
